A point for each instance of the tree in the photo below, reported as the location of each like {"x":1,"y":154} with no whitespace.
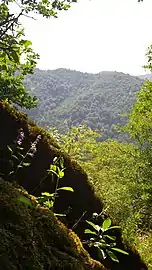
{"x":17,"y":57}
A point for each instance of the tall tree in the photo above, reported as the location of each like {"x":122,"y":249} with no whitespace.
{"x":17,"y":57}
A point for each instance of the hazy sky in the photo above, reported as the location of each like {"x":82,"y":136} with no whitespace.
{"x":94,"y":36}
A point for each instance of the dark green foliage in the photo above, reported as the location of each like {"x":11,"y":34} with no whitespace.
{"x":132,"y":261}
{"x":32,"y":238}
{"x":69,"y":98}
{"x":100,"y":238}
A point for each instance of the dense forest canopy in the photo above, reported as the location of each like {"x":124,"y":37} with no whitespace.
{"x":70,"y":98}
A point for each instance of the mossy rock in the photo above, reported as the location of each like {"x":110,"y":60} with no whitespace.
{"x":33,"y":238}
{"x":82,"y":199}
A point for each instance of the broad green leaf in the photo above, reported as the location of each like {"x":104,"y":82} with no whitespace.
{"x":25,"y":200}
{"x":96,"y":227}
{"x":106,"y":224}
{"x":90,"y":232}
{"x":120,"y":250}
{"x":112,"y":256}
{"x":66,"y":188}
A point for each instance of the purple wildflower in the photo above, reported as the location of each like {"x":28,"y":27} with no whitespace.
{"x":33,"y":147}
{"x":20,"y":137}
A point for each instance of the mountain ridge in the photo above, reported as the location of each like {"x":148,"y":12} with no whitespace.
{"x":69,"y":98}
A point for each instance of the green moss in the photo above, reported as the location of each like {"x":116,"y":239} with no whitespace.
{"x":32,"y":238}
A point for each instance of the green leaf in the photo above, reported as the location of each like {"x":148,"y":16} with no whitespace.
{"x":60,"y":215}
{"x":112,"y":256}
{"x":26,"y":43}
{"x":120,"y":250}
{"x":90,"y":232}
{"x":21,"y":155}
{"x":113,"y":238}
{"x":61,"y":161}
{"x":106,"y":224}
{"x":66,"y":188}
{"x":53,"y":167}
{"x":15,"y":56}
{"x":15,"y":157}
{"x":113,"y":227}
{"x":25,"y":200}
{"x":60,"y":174}
{"x":46,"y":194}
{"x":96,"y":227}
{"x":102,"y":242}
{"x":20,"y":148}
{"x":10,"y":149}
{"x":26,"y":164}
{"x":101,"y":253}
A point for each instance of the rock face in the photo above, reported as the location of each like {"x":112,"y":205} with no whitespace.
{"x":32,"y":238}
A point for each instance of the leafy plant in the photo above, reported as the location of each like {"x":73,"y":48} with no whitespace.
{"x":18,"y":158}
{"x":56,"y":169}
{"x":102,"y":240}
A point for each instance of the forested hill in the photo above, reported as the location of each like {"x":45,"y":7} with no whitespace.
{"x":68,"y":98}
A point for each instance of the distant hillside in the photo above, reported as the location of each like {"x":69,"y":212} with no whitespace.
{"x":146,"y":77}
{"x":68,"y":98}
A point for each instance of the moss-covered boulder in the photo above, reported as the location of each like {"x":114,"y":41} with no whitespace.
{"x":33,"y":238}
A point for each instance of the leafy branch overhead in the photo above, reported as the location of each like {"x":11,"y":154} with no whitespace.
{"x":17,"y":57}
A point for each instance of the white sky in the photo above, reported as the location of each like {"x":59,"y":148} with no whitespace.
{"x":94,"y":36}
